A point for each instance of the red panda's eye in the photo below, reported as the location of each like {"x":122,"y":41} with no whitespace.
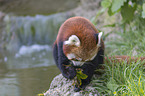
{"x":73,"y":41}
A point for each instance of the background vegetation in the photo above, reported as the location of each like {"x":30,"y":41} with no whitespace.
{"x":122,"y":79}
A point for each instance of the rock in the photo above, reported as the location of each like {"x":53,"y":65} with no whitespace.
{"x":61,"y":86}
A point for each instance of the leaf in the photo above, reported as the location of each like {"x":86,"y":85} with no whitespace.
{"x":127,"y":12}
{"x":116,"y":5}
{"x":114,"y":92}
{"x":143,"y":11}
{"x":110,"y":25}
{"x":79,"y":81}
{"x":106,"y":3}
{"x":112,"y":85}
{"x":81,"y":75}
{"x":110,"y":11}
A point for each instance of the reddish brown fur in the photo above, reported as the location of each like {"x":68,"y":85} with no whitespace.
{"x":85,"y":31}
{"x":123,"y":58}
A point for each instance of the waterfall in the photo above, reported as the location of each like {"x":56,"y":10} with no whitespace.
{"x":28,"y":30}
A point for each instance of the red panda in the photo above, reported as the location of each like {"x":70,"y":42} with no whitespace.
{"x":79,"y":44}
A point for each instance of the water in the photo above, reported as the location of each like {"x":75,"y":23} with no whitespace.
{"x":27,"y":72}
{"x":27,"y":68}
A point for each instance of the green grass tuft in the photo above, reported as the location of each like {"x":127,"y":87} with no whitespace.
{"x":122,"y":79}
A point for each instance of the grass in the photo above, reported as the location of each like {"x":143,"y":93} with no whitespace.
{"x":122,"y":79}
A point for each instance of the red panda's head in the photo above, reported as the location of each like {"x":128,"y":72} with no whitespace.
{"x":81,"y":40}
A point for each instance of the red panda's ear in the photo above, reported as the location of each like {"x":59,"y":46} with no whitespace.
{"x":98,"y":38}
{"x":73,"y":40}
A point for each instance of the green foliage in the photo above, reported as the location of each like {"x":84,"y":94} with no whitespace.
{"x":106,"y":3}
{"x":130,"y":42}
{"x":116,"y":5}
{"x":131,"y":30}
{"x":112,"y":85}
{"x":122,"y":79}
{"x":143,"y":12}
{"x":126,"y":7}
{"x":127,"y":12}
{"x":80,"y":75}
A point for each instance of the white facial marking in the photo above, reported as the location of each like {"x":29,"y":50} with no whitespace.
{"x":99,"y":38}
{"x":73,"y":40}
{"x":93,"y":57}
{"x":87,"y":60}
{"x":80,"y":59}
{"x":78,"y":63}
{"x":71,"y":56}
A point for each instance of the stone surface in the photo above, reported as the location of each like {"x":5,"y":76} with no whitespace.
{"x":61,"y":86}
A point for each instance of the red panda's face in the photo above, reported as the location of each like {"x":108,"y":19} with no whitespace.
{"x":77,"y":49}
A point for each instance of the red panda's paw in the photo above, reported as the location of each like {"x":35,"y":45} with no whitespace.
{"x":70,"y":73}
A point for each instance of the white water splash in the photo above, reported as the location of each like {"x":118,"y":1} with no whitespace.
{"x":27,"y":50}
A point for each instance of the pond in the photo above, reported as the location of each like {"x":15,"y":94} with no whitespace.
{"x":27,"y":67}
{"x":27,"y":72}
